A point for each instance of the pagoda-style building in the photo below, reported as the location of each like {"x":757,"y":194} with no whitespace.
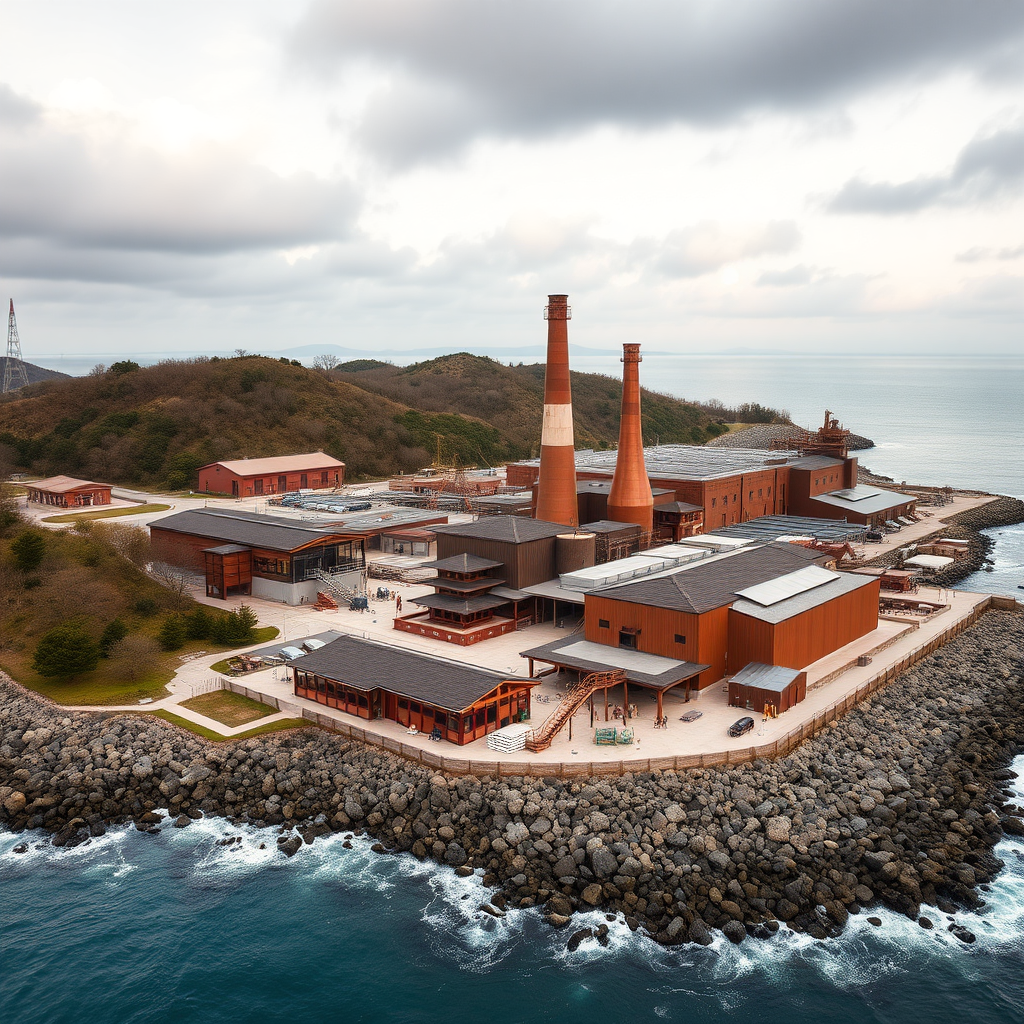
{"x":468,"y":592}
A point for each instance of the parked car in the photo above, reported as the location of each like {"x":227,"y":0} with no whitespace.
{"x":691,"y":716}
{"x":742,"y":726}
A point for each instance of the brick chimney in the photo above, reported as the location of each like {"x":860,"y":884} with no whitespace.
{"x":556,"y":487}
{"x":631,"y":500}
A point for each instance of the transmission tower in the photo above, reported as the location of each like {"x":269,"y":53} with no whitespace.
{"x":15,"y":374}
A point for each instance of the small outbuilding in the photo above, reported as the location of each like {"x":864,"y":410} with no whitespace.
{"x":756,"y":686}
{"x":67,"y":492}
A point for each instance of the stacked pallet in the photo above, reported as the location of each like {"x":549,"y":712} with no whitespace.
{"x":512,"y":737}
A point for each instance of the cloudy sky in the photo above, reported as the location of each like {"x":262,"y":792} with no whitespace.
{"x":403,"y":175}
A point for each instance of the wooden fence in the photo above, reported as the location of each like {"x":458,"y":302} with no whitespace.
{"x":591,"y":769}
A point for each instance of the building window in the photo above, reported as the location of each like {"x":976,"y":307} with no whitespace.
{"x":714,"y":502}
{"x":769,"y":492}
{"x":680,"y":639}
{"x":760,"y":492}
{"x":627,"y":639}
{"x":603,"y":623}
{"x":750,"y":495}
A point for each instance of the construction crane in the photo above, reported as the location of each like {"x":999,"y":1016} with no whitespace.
{"x":15,"y":374}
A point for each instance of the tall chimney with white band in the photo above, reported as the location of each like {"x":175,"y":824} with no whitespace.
{"x":556,"y":488}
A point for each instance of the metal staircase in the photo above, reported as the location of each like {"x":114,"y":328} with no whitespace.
{"x":543,"y":737}
{"x":334,"y":584}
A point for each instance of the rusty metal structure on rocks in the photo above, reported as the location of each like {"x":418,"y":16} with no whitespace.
{"x":556,"y":486}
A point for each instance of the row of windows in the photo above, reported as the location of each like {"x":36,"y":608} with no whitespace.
{"x":735,"y":497}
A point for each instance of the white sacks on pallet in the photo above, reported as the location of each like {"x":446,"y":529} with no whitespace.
{"x":512,"y":737}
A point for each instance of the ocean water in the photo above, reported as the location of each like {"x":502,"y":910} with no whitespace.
{"x":170,"y":928}
{"x":946,"y":420}
{"x":139,"y":929}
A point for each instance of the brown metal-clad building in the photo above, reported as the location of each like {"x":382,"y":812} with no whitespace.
{"x":804,"y":628}
{"x":756,"y":686}
{"x":372,"y":680}
{"x":688,"y":615}
{"x":524,"y":547}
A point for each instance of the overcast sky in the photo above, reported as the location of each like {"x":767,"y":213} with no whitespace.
{"x":392,"y":176}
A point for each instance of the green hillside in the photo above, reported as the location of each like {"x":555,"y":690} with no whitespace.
{"x":154,"y":426}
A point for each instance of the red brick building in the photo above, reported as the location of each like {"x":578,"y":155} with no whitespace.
{"x":247,"y":478}
{"x":67,"y":492}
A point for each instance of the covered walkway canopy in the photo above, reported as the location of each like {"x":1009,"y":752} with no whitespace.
{"x":648,"y":670}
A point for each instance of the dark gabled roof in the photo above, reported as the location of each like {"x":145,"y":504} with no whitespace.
{"x":462,"y":586}
{"x":510,"y":529}
{"x":678,"y":506}
{"x":226,"y":549}
{"x":459,"y":605}
{"x":610,"y":526}
{"x":708,"y":585}
{"x":367,"y":665}
{"x":463,"y":563}
{"x":248,"y":528}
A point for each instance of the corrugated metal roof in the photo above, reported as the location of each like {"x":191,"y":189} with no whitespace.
{"x":553,"y":590}
{"x":816,"y":462}
{"x":766,"y":677}
{"x":846,"y":583}
{"x":784,"y":587}
{"x":707,"y":585}
{"x":686,"y":462}
{"x":248,"y":528}
{"x":586,"y":656}
{"x":60,"y":484}
{"x":508,"y":594}
{"x":364,"y":664}
{"x":773,"y":527}
{"x":877,"y":501}
{"x":279,"y":464}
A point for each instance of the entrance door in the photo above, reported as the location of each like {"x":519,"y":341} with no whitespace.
{"x":234,"y":488}
{"x":282,"y":484}
{"x":257,"y":486}
{"x":304,"y":480}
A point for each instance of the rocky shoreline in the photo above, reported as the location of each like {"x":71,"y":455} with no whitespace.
{"x":898,"y":804}
{"x":967,"y":526}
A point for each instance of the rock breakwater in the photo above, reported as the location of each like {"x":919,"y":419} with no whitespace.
{"x":1004,"y":511}
{"x":899,"y":803}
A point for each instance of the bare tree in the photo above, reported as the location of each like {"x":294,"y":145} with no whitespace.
{"x":130,"y":542}
{"x":325,"y":362}
{"x":178,"y":580}
{"x":134,"y":657}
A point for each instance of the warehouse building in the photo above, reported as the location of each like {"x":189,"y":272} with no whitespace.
{"x":67,"y":492}
{"x":774,"y":604}
{"x":247,"y":478}
{"x":447,"y":700}
{"x":247,"y":553}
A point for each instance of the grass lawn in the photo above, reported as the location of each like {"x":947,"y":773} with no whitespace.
{"x":231,"y":709}
{"x":106,"y":513}
{"x":100,"y":687}
{"x":209,"y":734}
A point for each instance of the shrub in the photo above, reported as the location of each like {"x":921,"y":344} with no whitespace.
{"x":124,"y":366}
{"x":66,"y":651}
{"x":197,"y":624}
{"x":115,"y":631}
{"x":172,"y":633}
{"x":145,"y":606}
{"x":28,"y":550}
